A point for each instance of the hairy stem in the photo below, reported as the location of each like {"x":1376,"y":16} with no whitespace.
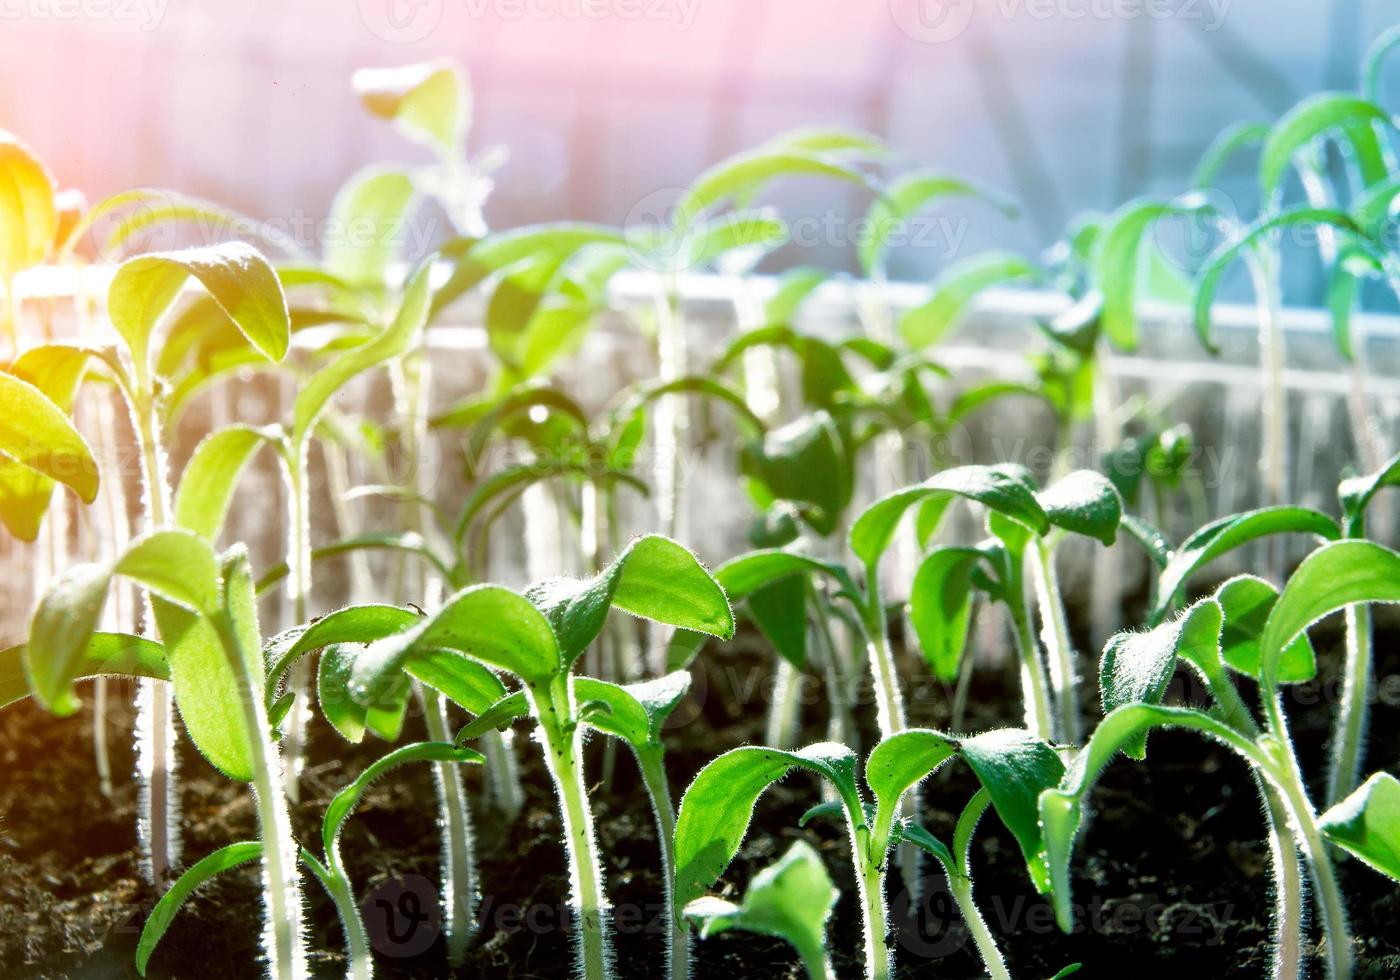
{"x":298,"y":592}
{"x":1349,"y":735}
{"x":459,"y":870}
{"x":158,"y":814}
{"x":1055,"y":631}
{"x":671,"y":416}
{"x":561,"y":738}
{"x":651,"y":761}
{"x":870,"y":882}
{"x":503,"y":774}
{"x":785,"y":706}
{"x":359,"y":953}
{"x":1033,"y":690}
{"x":283,"y":932}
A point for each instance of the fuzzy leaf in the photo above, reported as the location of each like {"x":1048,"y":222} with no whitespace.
{"x":226,"y":858}
{"x":210,"y":479}
{"x":1247,"y":602}
{"x":1357,"y":493}
{"x":429,"y":102}
{"x":367,"y":217}
{"x":1086,"y":503}
{"x":940,"y":607}
{"x":1062,"y":808}
{"x":106,"y":655}
{"x":1137,"y":667}
{"x":344,"y":803}
{"x":235,"y":274}
{"x":654,"y":578}
{"x":1367,"y":824}
{"x":1334,"y":576}
{"x":791,"y":899}
{"x":1222,"y":536}
{"x":716,"y":809}
{"x":1004,"y":488}
{"x":37,"y":437}
{"x":396,"y":340}
{"x":488,"y":623}
{"x":805,"y":462}
{"x":904,"y":198}
{"x":1306,"y":122}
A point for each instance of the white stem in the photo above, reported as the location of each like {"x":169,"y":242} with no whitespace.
{"x":1055,"y":633}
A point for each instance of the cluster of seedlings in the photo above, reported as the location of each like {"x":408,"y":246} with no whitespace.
{"x":813,"y":413}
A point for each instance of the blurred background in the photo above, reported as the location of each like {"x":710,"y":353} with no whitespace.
{"x":1065,"y":104}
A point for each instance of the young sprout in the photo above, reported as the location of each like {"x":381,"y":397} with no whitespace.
{"x":331,"y":871}
{"x":1249,"y":629}
{"x":538,"y":638}
{"x":244,"y":291}
{"x":207,"y":613}
{"x":1027,"y":525}
{"x":1012,"y":765}
{"x":791,"y":900}
{"x":634,"y":715}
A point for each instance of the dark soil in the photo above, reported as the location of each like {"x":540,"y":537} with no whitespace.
{"x":1171,"y":878}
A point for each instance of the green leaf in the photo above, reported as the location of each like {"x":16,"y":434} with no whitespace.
{"x":940,"y":607}
{"x":429,"y":102}
{"x":1222,"y":536}
{"x":465,"y":682}
{"x":351,"y":624}
{"x":60,"y":632}
{"x":235,"y":274}
{"x":395,"y":341}
{"x":28,"y":217}
{"x":654,"y":578}
{"x":57,"y":370}
{"x":906,"y":196}
{"x":488,"y":623}
{"x":717,"y":808}
{"x":1153,"y":541}
{"x":1062,"y":808}
{"x":791,"y":899}
{"x":1337,"y":575}
{"x":36,"y":436}
{"x":956,"y":288}
{"x":744,"y":175}
{"x":367,"y":223}
{"x":1004,"y":488}
{"x":1263,"y":231}
{"x":177,"y":566}
{"x":1367,"y":824}
{"x":343,"y":804}
{"x":226,"y":858}
{"x":106,"y":655}
{"x":1118,"y":262}
{"x":779,"y":611}
{"x":210,"y":478}
{"x":738,"y":240}
{"x":635,"y":713}
{"x":742,"y":576}
{"x":1315,"y":116}
{"x":1137,"y":667}
{"x":805,"y":462}
{"x":1013,"y":766}
{"x":1084,"y":502}
{"x":1247,"y":602}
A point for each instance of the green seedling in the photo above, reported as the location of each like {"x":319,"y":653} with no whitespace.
{"x":538,"y":638}
{"x":634,"y":715}
{"x":1249,"y":629}
{"x":207,"y":615}
{"x":792,"y":900}
{"x":1013,"y":767}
